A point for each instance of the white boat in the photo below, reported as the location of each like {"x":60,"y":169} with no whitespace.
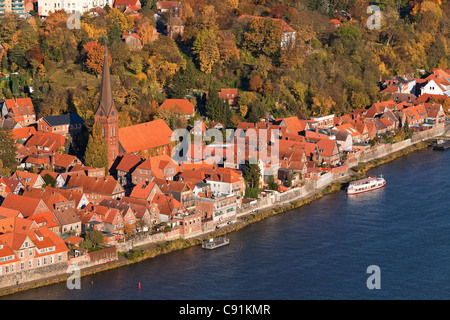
{"x":366,"y":184}
{"x":214,"y":243}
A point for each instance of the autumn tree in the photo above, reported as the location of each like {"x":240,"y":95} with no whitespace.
{"x":208,"y":19}
{"x":147,"y":33}
{"x":164,"y":61}
{"x":322,"y":105}
{"x":55,"y":20}
{"x":206,"y":49}
{"x":8,"y":27}
{"x":226,"y":42}
{"x":55,"y":102}
{"x":119,"y":20}
{"x":174,"y":117}
{"x":95,"y":55}
{"x":256,"y":83}
{"x":262,"y":35}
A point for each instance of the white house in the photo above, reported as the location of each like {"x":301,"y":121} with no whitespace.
{"x":45,"y":7}
{"x":436,"y":86}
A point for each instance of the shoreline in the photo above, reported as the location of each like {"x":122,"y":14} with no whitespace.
{"x":141,"y":253}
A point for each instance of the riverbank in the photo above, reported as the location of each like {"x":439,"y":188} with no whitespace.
{"x":153,"y":250}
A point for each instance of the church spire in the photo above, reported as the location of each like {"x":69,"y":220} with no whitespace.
{"x":106,"y":95}
{"x":107,"y":114}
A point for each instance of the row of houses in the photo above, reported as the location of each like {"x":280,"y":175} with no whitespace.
{"x":147,"y":188}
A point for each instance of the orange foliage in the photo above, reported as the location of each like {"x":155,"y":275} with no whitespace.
{"x":95,"y":53}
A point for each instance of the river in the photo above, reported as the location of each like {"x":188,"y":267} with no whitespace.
{"x":319,"y":251}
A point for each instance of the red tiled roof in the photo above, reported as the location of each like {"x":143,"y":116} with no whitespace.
{"x":427,"y":97}
{"x":43,"y":139}
{"x":20,"y":106}
{"x":294,"y":124}
{"x":44,"y":219}
{"x":73,"y":240}
{"x":26,"y":178}
{"x":23,"y":133}
{"x":143,"y":189}
{"x":26,"y":205}
{"x":227,"y":93}
{"x":49,"y":196}
{"x":145,"y":136}
{"x":134,"y":3}
{"x":165,"y":5}
{"x":158,"y":163}
{"x":167,"y":205}
{"x":104,"y":185}
{"x":326,"y":146}
{"x":336,"y":21}
{"x":128,"y":162}
{"x":5,"y":212}
{"x":64,"y":160}
{"x":108,"y":215}
{"x":178,"y":105}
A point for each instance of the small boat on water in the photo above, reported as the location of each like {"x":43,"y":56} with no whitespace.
{"x":441,"y":145}
{"x":366,"y":184}
{"x":214,"y":243}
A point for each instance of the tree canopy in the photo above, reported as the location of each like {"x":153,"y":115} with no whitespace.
{"x":326,"y":69}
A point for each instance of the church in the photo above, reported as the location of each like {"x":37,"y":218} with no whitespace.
{"x":150,"y":138}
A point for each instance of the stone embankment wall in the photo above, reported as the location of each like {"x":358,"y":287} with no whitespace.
{"x":91,"y":259}
{"x":145,"y":239}
{"x":386,"y":150}
{"x":33,"y":275}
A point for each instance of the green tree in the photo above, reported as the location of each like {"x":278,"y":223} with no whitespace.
{"x":217,"y":109}
{"x":252,"y":193}
{"x":96,"y":151}
{"x":95,"y":237}
{"x":272,"y":185}
{"x":183,"y":80}
{"x":8,"y":149}
{"x":252,"y":174}
{"x":14,"y":85}
{"x":49,"y":180}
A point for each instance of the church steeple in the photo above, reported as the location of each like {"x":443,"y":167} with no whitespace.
{"x":106,"y":95}
{"x":107,"y":114}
